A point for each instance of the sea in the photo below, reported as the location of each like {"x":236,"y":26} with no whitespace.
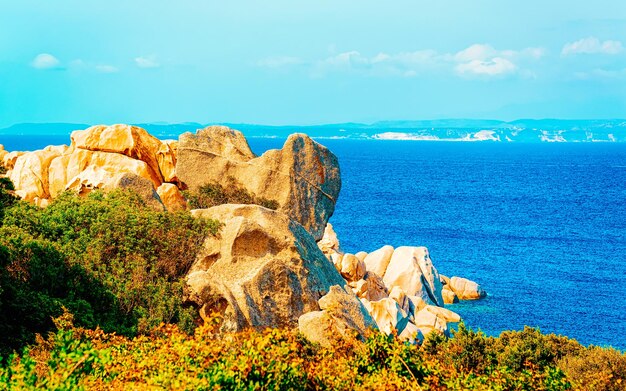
{"x":540,"y":226}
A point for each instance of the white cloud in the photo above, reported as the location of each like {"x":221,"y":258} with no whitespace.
{"x":45,"y":61}
{"x":475,"y":52}
{"x":147,"y":62}
{"x":480,"y":60}
{"x":106,"y":69}
{"x":492,"y":67}
{"x":279,"y":62}
{"x":592,"y":45}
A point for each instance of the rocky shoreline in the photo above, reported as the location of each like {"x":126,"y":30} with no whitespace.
{"x":267,"y":268}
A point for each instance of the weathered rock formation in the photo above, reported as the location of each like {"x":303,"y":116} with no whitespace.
{"x":400,"y":288}
{"x":264,"y":270}
{"x":98,"y":158}
{"x":303,"y":176}
{"x":466,"y":289}
{"x":341,"y":314}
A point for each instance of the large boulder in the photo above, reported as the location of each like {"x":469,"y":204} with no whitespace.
{"x":466,"y":289}
{"x":131,"y":141}
{"x":29,"y":173}
{"x":83,"y":170}
{"x":262,"y":270}
{"x":303,"y":176}
{"x":171,"y":197}
{"x":411,"y":269}
{"x":377,"y":261}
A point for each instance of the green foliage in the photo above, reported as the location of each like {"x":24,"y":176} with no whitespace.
{"x":111,"y":260}
{"x":595,"y":368}
{"x":7,"y":198}
{"x":212,"y":194}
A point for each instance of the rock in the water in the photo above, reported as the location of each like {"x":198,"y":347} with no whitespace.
{"x":171,"y":197}
{"x":262,"y":270}
{"x":377,"y":261}
{"x":411,"y":269}
{"x":302,"y":177}
{"x":466,"y":289}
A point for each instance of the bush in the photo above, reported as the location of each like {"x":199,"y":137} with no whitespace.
{"x":110,"y":259}
{"x":597,"y":369}
{"x":213,"y":194}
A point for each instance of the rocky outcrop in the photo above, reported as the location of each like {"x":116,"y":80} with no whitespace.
{"x":171,"y":197}
{"x":264,"y":269}
{"x":341,"y":314}
{"x":303,"y":176}
{"x":400,"y":288}
{"x":466,"y":289}
{"x":100,"y":157}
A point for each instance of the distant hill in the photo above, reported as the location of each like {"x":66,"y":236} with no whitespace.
{"x":522,"y":130}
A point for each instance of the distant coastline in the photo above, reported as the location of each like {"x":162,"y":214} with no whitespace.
{"x":455,"y":130}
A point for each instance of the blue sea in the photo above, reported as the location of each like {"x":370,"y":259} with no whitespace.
{"x":542,"y":227}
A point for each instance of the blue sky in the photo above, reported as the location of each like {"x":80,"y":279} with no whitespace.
{"x":296,"y":62}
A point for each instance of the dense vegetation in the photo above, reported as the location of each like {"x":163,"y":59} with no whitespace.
{"x":212,"y":194}
{"x":275,"y":359}
{"x":101,"y":277}
{"x":108,"y":258}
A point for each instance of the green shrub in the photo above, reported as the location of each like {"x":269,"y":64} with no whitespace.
{"x":596,"y":369}
{"x":213,"y":194}
{"x":111,"y":260}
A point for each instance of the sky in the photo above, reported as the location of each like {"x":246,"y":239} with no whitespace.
{"x":310,"y":62}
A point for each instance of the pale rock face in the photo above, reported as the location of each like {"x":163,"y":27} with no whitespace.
{"x":377,"y":261}
{"x":361,"y":255}
{"x":336,"y":258}
{"x":427,"y":321}
{"x":411,"y":269}
{"x":444,"y":313}
{"x":444,"y":280}
{"x":263,"y":270}
{"x":341,"y":314}
{"x":83,"y":170}
{"x":30,"y":174}
{"x":411,"y":334}
{"x":352,"y":269}
{"x":449,"y":297}
{"x":8,"y":160}
{"x":466,"y":289}
{"x":303,"y":176}
{"x":127,"y":140}
{"x":329,"y":244}
{"x":3,"y":153}
{"x":345,"y":306}
{"x":400,"y":297}
{"x":171,"y":197}
{"x":166,"y":158}
{"x":388,"y":315}
{"x":371,"y":287}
